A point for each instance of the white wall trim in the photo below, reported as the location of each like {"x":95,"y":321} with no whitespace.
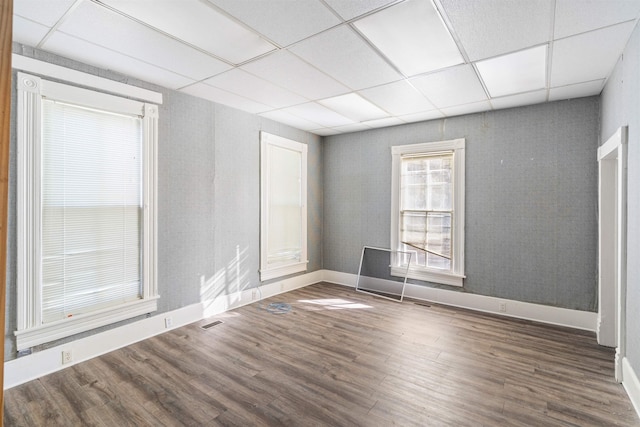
{"x":455,"y":276}
{"x":270,"y":146}
{"x":577,"y":319}
{"x":19,"y":62}
{"x":30,"y":328}
{"x":62,"y":328}
{"x":612,"y":245}
{"x":339,"y":278}
{"x":283,"y":270}
{"x":631,"y":384}
{"x":36,"y":365}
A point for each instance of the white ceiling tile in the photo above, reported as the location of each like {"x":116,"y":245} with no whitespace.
{"x":81,"y":50}
{"x":412,"y":35}
{"x":578,"y":16}
{"x":283,"y":21}
{"x":492,"y":27}
{"x":588,"y":56}
{"x":355,"y":127}
{"x":381,"y":123}
{"x":326,"y":131}
{"x":460,"y":110}
{"x":349,"y":9}
{"x":197,"y":23}
{"x":453,"y":86}
{"x":342,"y":54}
{"x":45,"y":12}
{"x":354,"y":107}
{"x":329,"y":59}
{"x":422,"y":117}
{"x":249,"y":86}
{"x":28,"y":32}
{"x":289,"y":119}
{"x":220,"y":96}
{"x":510,"y":101}
{"x":398,"y":98}
{"x":317,"y":113}
{"x":578,"y":90}
{"x":287,"y":70}
{"x":522,"y":71}
{"x":103,"y":27}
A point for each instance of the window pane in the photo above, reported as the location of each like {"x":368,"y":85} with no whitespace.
{"x":418,"y":257}
{"x":426,"y":209}
{"x":430,"y":233}
{"x":285,"y":226}
{"x":426,"y":183}
{"x":438,"y":240}
{"x":91,"y":210}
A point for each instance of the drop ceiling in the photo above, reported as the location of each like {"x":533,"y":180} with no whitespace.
{"x":337,"y":66}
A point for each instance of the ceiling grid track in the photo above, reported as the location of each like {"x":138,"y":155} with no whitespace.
{"x":330,"y":67}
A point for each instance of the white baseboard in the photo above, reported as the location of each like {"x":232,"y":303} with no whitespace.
{"x":340,"y":278}
{"x":26,"y":368}
{"x":577,"y":319}
{"x":36,"y":365}
{"x":631,"y":384}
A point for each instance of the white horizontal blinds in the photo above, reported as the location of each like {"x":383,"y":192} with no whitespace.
{"x":285,"y":204}
{"x":426,"y":208}
{"x":91,"y":210}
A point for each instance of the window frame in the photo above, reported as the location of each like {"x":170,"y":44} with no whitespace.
{"x":456,"y":275}
{"x":31,"y":90}
{"x":268,"y":272}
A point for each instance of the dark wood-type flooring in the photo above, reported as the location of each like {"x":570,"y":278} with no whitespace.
{"x":338,"y":358}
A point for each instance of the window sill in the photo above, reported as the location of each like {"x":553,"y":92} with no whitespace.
{"x":284,"y":270}
{"x":74,"y":325}
{"x":433,"y":276}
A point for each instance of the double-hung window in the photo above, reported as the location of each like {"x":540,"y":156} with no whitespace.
{"x":428,"y":210}
{"x":283,"y":207}
{"x":86,"y":217}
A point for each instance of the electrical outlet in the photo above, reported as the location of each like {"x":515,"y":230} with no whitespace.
{"x":168,"y":322}
{"x":67,"y":356}
{"x":502,"y":307}
{"x":24,"y":352}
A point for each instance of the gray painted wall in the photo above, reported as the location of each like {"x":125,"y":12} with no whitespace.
{"x":208,"y":198}
{"x":531,"y":199}
{"x":620,"y":107}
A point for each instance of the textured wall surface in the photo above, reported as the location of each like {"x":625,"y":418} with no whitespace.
{"x":208,"y":198}
{"x":620,"y":107}
{"x":186,"y":207}
{"x":531,"y":198}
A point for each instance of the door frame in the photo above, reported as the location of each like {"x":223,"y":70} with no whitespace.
{"x":612,"y":245}
{"x":6,"y":22}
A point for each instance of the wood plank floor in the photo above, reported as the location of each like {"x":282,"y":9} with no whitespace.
{"x":338,"y":358}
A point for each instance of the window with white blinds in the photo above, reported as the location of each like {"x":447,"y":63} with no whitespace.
{"x":283,"y":216}
{"x":86,"y":220}
{"x":428,"y":210}
{"x":91,"y":210}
